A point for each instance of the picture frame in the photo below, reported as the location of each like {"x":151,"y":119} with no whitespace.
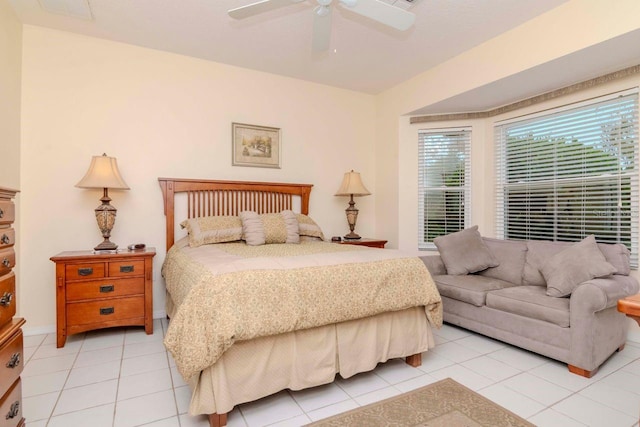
{"x":256,"y":146}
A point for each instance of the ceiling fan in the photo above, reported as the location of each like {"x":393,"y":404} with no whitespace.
{"x":373,"y":9}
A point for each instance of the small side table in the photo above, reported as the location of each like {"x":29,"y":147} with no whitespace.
{"x":103,"y":290}
{"x":631,"y":307}
{"x":372,"y":243}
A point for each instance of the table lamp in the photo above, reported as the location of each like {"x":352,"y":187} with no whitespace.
{"x":352,"y":186}
{"x":103,"y":173}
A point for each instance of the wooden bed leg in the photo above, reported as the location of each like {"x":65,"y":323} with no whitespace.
{"x":582,"y":372}
{"x":414,"y":360}
{"x":217,"y":420}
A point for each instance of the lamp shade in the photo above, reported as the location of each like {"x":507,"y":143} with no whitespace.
{"x":352,"y":185}
{"x":103,"y":173}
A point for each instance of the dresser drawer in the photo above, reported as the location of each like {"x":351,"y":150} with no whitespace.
{"x":7,"y":297}
{"x":7,"y":237}
{"x":105,"y":288}
{"x":7,"y":212}
{"x":11,"y":406}
{"x":84,"y":271}
{"x":7,"y":260}
{"x":83,"y":313}
{"x":126,"y":268}
{"x":11,"y":360}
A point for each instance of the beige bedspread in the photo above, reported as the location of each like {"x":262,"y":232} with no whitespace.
{"x":230,"y":292}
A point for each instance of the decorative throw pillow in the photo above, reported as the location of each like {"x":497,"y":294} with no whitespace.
{"x":308,"y":227}
{"x":464,"y":252}
{"x":212,"y":229}
{"x":269,"y":228}
{"x":581,"y":262}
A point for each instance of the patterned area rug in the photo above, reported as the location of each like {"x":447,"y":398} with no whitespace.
{"x":445,"y":403}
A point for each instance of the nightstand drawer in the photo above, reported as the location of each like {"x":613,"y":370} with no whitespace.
{"x":7,"y":260}
{"x":7,"y":297}
{"x":11,"y":361}
{"x":11,"y":406}
{"x":126,"y":268}
{"x":82,"y":313}
{"x":105,"y":288}
{"x":84,"y":271}
{"x":7,"y":212}
{"x":7,"y":237}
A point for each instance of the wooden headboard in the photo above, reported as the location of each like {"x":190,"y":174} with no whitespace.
{"x":210,"y":198}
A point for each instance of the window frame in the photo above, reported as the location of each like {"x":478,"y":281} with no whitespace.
{"x":594,"y":179}
{"x":462,"y":141}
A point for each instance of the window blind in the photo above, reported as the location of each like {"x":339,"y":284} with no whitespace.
{"x":443,"y":183}
{"x":571,"y":173}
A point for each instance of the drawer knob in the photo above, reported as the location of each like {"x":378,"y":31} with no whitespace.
{"x":5,"y":239}
{"x":106,"y":288}
{"x":5,"y":299}
{"x":14,"y":410}
{"x":13,"y":361}
{"x":106,"y":311}
{"x":1,"y":213}
{"x":87,"y":271}
{"x":126,"y":269}
{"x":6,"y":262}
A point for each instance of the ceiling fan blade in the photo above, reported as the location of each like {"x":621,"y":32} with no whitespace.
{"x":258,"y":7}
{"x":383,"y":12}
{"x":321,"y":28}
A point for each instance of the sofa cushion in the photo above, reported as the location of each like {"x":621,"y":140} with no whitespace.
{"x":471,"y":288}
{"x":578,"y":263}
{"x":540,"y":251}
{"x":532,"y":302}
{"x":617,"y":255}
{"x":464,"y":252}
{"x":511,"y":255}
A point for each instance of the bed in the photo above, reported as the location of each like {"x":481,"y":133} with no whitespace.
{"x":249,"y":321}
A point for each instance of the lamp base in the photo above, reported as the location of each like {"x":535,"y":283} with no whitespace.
{"x":352,"y":236}
{"x":106,"y":246}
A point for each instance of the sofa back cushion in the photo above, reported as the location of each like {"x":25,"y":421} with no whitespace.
{"x":511,"y":255}
{"x":464,"y":252}
{"x":540,"y":251}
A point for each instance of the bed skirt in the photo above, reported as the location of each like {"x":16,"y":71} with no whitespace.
{"x":253,"y":369}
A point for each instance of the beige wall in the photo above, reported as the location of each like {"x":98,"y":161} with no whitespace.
{"x":10,"y":75}
{"x":569,"y":28}
{"x":164,"y":115}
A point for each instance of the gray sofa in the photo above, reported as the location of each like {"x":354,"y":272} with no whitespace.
{"x":507,"y":297}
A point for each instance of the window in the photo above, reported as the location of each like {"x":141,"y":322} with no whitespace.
{"x":570,"y":173}
{"x":444,"y":190}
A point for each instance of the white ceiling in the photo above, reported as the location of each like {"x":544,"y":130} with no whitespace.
{"x":364,"y":56}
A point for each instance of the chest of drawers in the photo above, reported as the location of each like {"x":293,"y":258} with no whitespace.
{"x":11,"y":351}
{"x":96,"y":291}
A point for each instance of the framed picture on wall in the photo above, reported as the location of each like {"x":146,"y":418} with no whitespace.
{"x":258,"y":146}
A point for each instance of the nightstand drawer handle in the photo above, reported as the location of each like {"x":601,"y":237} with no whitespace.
{"x":106,"y":311}
{"x":1,"y":213}
{"x":5,"y":239}
{"x":5,"y":300}
{"x":13,"y":361}
{"x":6,"y":262}
{"x":87,"y":271}
{"x":14,"y":410}
{"x":126,"y":269}
{"x":107,"y":288}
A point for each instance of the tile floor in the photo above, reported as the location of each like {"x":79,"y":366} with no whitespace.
{"x":122,"y":377}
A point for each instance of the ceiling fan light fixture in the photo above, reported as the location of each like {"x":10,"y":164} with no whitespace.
{"x":321,"y":10}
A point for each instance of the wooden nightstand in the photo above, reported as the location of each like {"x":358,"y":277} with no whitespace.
{"x":95,"y":291}
{"x":372,"y":243}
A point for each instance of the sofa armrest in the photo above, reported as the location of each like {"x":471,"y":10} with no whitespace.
{"x":598,"y":294}
{"x":434,"y":264}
